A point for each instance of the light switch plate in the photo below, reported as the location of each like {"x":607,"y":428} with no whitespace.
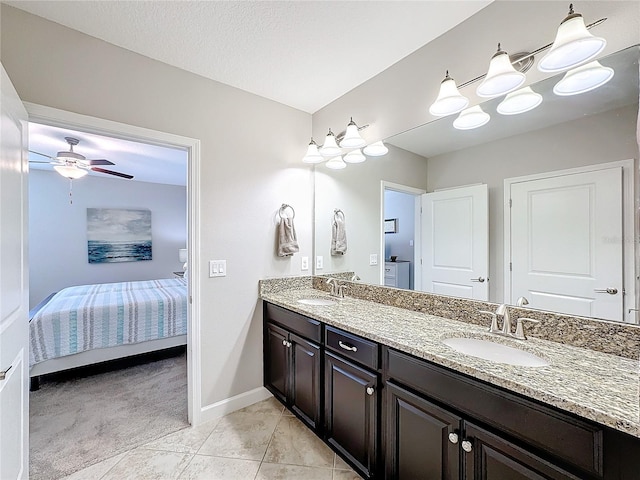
{"x":319,"y":262}
{"x":373,"y":259}
{"x":304,"y":264}
{"x":217,"y":268}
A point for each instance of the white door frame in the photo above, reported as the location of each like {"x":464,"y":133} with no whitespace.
{"x":628,"y":226}
{"x":417,"y":235}
{"x":65,"y":119}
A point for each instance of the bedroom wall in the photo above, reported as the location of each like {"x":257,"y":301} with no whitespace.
{"x":58,"y":230}
{"x":250,"y":148}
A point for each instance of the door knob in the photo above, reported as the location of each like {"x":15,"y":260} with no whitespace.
{"x":610,"y":291}
{"x":466,"y":446}
{"x":453,"y":437}
{"x":479,"y":279}
{"x":3,"y":373}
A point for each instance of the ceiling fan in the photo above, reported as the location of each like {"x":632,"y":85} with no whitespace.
{"x":73,"y":165}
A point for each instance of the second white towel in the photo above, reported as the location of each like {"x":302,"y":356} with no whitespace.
{"x":338,"y":234}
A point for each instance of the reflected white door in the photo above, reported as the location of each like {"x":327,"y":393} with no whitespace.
{"x":569,"y":259}
{"x":14,"y":298}
{"x":455,"y":236}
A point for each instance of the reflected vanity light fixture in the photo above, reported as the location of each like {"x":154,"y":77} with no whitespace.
{"x":376,"y":149}
{"x":449,"y":100}
{"x":470,"y":118}
{"x":520,"y":101}
{"x":354,"y":156}
{"x":352,"y":138}
{"x":501,"y":78}
{"x":572,"y":46}
{"x":336,"y":163}
{"x":313,"y":155}
{"x":330,"y":147}
{"x":583,"y":79}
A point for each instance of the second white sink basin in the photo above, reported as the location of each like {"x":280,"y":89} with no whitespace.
{"x":495,"y":352}
{"x":317,"y":301}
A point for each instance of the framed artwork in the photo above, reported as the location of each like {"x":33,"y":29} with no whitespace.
{"x":118,"y":235}
{"x":391,"y":225}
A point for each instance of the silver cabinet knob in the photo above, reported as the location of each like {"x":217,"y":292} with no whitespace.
{"x":479,"y":279}
{"x":370,"y":390}
{"x":453,"y":437}
{"x":284,"y":342}
{"x":466,"y":446}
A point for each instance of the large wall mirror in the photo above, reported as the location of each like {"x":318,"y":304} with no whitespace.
{"x":554,"y":162}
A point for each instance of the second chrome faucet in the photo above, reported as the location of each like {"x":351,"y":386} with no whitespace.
{"x":503,"y":311}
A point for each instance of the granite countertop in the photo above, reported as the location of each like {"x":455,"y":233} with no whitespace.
{"x":597,"y":386}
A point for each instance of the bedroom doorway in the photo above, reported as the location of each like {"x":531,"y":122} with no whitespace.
{"x":169,"y":242}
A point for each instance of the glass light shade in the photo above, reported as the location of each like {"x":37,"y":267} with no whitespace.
{"x":70,"y":171}
{"x":449,"y":100}
{"x":573,"y":45}
{"x":330,"y":147}
{"x":501,"y":78}
{"x":473,"y":117}
{"x":313,"y":155}
{"x":336,"y":163}
{"x":354,"y":156}
{"x":519,"y":101}
{"x":583,"y":79}
{"x":376,"y":149}
{"x":352,"y":138}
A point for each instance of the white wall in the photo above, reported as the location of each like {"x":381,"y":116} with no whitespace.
{"x":250,"y":147}
{"x":58,"y":230}
{"x":401,"y":206}
{"x":611,"y":137}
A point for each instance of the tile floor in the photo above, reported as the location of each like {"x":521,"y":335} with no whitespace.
{"x":261,"y":442}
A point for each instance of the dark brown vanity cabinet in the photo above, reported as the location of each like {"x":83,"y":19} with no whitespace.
{"x":292,"y":369}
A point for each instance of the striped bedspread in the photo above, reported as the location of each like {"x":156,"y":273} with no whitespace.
{"x":86,"y":317}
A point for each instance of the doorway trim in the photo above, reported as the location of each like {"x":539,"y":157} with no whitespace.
{"x":417,"y":225}
{"x":628,"y":227}
{"x":62,"y":118}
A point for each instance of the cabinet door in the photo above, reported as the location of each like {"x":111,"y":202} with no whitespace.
{"x":422,"y":439}
{"x":490,"y":457}
{"x":351,"y":412}
{"x":276,"y":360}
{"x":305,"y":379}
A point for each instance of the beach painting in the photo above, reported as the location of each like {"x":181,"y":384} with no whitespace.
{"x":118,"y":235}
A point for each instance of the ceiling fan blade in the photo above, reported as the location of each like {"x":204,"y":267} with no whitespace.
{"x":100,"y":161}
{"x":111,"y":172}
{"x":42,"y":154}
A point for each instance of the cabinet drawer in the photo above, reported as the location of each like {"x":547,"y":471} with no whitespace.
{"x":390,"y":270}
{"x":563,"y":436}
{"x":304,"y":326}
{"x":353,"y":347}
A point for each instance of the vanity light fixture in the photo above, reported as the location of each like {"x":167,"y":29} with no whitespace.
{"x":336,"y":163}
{"x":330,"y":147}
{"x":376,"y":149}
{"x":572,"y":46}
{"x":354,"y":156}
{"x":519,"y":101}
{"x":583,"y":79}
{"x":352,"y":138}
{"x":449,"y":100}
{"x":313,"y":155}
{"x":501,"y":78}
{"x":470,"y":118}
{"x":70,"y":171}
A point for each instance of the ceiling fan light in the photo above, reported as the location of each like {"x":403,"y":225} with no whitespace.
{"x":470,"y":118}
{"x":376,"y":149}
{"x":501,"y":77}
{"x":572,"y":46}
{"x":354,"y":156}
{"x":336,"y":163}
{"x":330,"y":147}
{"x":583,"y":79}
{"x":449,"y":100}
{"x":519,"y":101}
{"x":313,"y":156}
{"x":73,"y":156}
{"x":69,"y":171}
{"x":352,"y":138}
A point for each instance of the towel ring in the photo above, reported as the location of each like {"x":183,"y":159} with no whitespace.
{"x":337,"y":212}
{"x":283,"y":210}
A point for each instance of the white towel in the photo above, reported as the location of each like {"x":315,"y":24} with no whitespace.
{"x":338,"y":235}
{"x":287,"y":240}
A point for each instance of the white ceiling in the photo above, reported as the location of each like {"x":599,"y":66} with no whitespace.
{"x":304,"y":54}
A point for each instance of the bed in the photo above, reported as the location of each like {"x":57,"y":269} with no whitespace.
{"x":88,"y":324}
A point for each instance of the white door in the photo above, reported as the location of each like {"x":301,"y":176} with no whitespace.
{"x":14,"y":298}
{"x":455,"y":236}
{"x":566,"y":243}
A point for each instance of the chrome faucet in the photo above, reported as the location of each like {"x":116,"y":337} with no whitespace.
{"x":503,"y":311}
{"x":522,"y":301}
{"x":333,"y":287}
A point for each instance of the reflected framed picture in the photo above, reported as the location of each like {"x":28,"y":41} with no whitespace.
{"x":391,"y":225}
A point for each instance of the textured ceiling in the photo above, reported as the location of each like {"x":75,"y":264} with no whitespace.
{"x":304,"y":54}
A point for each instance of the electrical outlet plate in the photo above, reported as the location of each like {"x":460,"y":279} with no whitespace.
{"x":217,"y":268}
{"x":373,"y":259}
{"x":319,"y":262}
{"x":304,"y":264}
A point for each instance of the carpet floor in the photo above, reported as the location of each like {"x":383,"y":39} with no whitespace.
{"x":78,"y":421}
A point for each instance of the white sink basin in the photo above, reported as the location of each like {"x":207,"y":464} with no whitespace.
{"x":495,"y":352}
{"x":317,"y":301}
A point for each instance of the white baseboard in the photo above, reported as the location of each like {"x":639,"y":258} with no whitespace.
{"x":228,"y":405}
